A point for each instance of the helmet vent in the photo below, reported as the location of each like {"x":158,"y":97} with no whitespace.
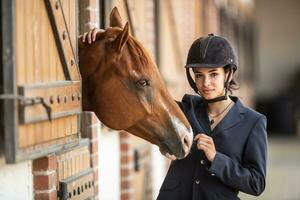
{"x":205,"y":45}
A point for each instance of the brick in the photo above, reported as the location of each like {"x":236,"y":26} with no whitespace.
{"x":126,"y":159}
{"x":124,"y":135}
{"x":90,"y":125}
{"x":96,"y":174}
{"x":93,"y":117}
{"x":44,"y":182}
{"x":93,"y":18}
{"x":46,"y":195}
{"x":96,"y":190}
{"x":125,"y":172}
{"x":94,"y":147}
{"x":125,"y":196}
{"x":93,"y":3}
{"x":125,"y":185}
{"x":88,"y":118}
{"x":45,"y":163}
{"x":94,"y":160}
{"x":125,"y":147}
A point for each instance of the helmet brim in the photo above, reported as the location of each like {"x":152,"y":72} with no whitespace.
{"x":196,"y":65}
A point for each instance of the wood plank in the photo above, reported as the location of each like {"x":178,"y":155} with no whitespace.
{"x":56,"y":15}
{"x":44,"y":44}
{"x":20,"y":42}
{"x":35,"y":39}
{"x":23,"y":137}
{"x":68,"y":126}
{"x":59,"y":68}
{"x":61,"y":127}
{"x":31,"y":134}
{"x":28,"y":43}
{"x":73,"y":165}
{"x":72,"y":26}
{"x":75,"y":125}
{"x":51,"y":53}
{"x":38,"y":133}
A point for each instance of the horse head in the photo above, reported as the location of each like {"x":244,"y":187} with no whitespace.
{"x":122,"y":85}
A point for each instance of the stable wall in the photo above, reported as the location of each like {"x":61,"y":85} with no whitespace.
{"x":278,"y":24}
{"x":16,"y":181}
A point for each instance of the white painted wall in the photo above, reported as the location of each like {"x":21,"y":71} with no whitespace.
{"x":159,"y":170}
{"x":16,"y":181}
{"x":278,"y":25}
{"x":109,"y":165}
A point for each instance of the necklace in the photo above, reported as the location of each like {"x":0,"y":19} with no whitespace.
{"x":217,"y":115}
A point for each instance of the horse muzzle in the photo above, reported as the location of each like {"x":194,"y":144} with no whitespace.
{"x":177,"y":150}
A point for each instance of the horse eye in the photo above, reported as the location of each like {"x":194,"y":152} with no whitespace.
{"x":142,"y":83}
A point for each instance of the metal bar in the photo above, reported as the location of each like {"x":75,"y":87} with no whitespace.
{"x":51,"y":101}
{"x":131,"y":23}
{"x":80,"y":186}
{"x":1,"y":91}
{"x":157,"y":23}
{"x":102,"y":13}
{"x":9,"y":79}
{"x":174,"y":32}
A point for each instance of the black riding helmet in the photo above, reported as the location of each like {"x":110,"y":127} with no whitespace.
{"x":211,"y":51}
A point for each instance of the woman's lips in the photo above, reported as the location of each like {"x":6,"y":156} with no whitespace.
{"x":207,"y":91}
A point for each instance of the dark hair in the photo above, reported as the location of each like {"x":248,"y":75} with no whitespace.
{"x":232,"y":84}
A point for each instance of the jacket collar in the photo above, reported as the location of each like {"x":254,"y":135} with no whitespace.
{"x":232,"y":118}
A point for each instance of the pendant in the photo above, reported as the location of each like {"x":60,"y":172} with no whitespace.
{"x":211,"y":122}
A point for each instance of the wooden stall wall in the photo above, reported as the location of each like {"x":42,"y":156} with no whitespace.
{"x":40,"y":72}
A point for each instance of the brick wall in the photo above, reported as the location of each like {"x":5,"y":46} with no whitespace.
{"x":44,"y":178}
{"x":136,"y":173}
{"x":49,"y":170}
{"x":90,"y":129}
{"x":126,"y":166}
{"x":88,"y":15}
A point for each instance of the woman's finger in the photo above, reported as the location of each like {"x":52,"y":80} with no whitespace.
{"x":198,"y":136}
{"x":89,"y":37}
{"x":84,"y":37}
{"x":206,"y":140}
{"x":94,"y":34}
{"x":204,"y":144}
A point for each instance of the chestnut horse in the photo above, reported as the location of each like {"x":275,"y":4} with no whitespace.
{"x":122,"y":85}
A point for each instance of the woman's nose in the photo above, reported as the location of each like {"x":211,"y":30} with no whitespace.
{"x":206,"y":81}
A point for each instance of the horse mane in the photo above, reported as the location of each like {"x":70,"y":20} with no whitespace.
{"x":138,"y":51}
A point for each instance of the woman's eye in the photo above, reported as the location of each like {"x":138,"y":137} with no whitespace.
{"x":214,"y":74}
{"x":198,"y":75}
{"x":142,"y":83}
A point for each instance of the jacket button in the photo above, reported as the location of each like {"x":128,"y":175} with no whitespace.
{"x":212,"y":174}
{"x":197,"y":182}
{"x":202,"y":162}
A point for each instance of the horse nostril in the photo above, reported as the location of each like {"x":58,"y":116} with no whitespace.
{"x":185,"y":140}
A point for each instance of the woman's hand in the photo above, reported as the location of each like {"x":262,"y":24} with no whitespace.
{"x":90,"y":36}
{"x":206,"y":144}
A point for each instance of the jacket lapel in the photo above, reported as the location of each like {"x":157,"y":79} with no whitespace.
{"x":232,"y":118}
{"x":203,"y":118}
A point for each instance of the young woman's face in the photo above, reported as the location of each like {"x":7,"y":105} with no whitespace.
{"x":210,"y":81}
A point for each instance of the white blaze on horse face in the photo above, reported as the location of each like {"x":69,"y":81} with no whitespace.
{"x":179,"y":127}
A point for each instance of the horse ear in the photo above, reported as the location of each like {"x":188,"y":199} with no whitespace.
{"x":121,"y":39}
{"x":115,"y":18}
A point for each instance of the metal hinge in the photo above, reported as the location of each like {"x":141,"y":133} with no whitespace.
{"x":46,"y":101}
{"x":80,"y":186}
{"x":28,"y":101}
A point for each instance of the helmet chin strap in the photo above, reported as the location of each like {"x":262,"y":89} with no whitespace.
{"x":220,"y":98}
{"x":214,"y":100}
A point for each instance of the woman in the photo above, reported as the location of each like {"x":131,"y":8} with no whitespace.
{"x":230,"y":140}
{"x":230,"y":150}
